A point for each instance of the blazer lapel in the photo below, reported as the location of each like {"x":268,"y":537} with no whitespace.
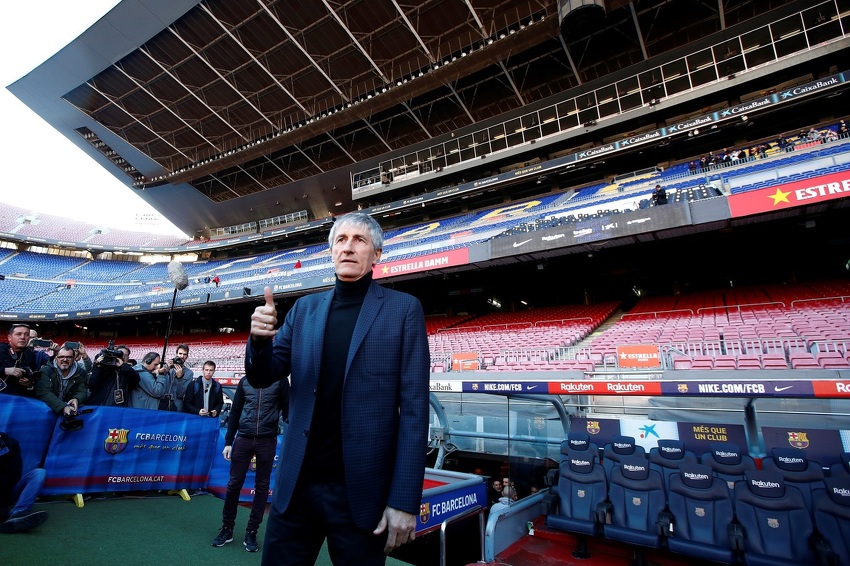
{"x":368,"y":312}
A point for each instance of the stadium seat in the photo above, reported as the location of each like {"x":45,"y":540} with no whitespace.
{"x":668,"y":456}
{"x":636,"y":504}
{"x":832,"y":520}
{"x":702,"y":513}
{"x":797,"y":470}
{"x":579,"y":442}
{"x":728,"y":462}
{"x":777,"y":526}
{"x":581,"y":491}
{"x":620,"y":447}
{"x":841,"y":468}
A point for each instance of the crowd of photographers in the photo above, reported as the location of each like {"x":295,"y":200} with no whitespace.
{"x":65,"y":377}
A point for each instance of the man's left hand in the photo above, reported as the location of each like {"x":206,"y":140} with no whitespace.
{"x":400,"y":526}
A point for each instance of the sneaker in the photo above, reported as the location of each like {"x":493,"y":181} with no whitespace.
{"x":251,"y":541}
{"x":224,"y":536}
{"x":24,"y":522}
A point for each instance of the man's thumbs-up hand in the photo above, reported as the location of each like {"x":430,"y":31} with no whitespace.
{"x":264,"y":319}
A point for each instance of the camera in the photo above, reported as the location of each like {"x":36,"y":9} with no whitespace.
{"x":72,"y":345}
{"x":71,"y":423}
{"x":178,"y":361}
{"x":110,"y":355}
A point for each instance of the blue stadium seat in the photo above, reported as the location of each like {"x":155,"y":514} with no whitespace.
{"x":582,"y":488}
{"x":668,"y":456}
{"x":579,"y":442}
{"x":620,"y":447}
{"x":636,"y":504}
{"x":777,"y":526}
{"x":841,"y":468}
{"x":728,"y":462}
{"x":797,"y":470}
{"x":702,"y":513}
{"x":832,"y":520}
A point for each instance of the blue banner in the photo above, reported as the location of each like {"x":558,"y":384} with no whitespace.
{"x":446,"y":504}
{"x":220,"y":472}
{"x":130,"y":449}
{"x":30,"y":422}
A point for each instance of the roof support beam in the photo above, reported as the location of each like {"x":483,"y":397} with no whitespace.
{"x":478,"y":21}
{"x":236,"y":90}
{"x":165,"y":106}
{"x":414,"y":32}
{"x":339,"y":145}
{"x":722,"y":14}
{"x":192,"y":94}
{"x":511,"y":81}
{"x":637,"y":30}
{"x":256,"y":62}
{"x":303,"y":51}
{"x":460,"y":101}
{"x":377,"y":135}
{"x":354,"y":40}
{"x":416,"y":119}
{"x":136,"y":120}
{"x":569,"y":58}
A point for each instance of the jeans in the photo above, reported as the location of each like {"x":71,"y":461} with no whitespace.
{"x":240,"y":458}
{"x":26,"y":490}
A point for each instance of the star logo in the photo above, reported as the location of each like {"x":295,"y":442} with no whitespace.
{"x":648,"y":430}
{"x":384,"y":270}
{"x":780,"y":196}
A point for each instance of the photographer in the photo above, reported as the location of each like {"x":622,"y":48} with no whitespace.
{"x":153,"y":379}
{"x":20,"y":369}
{"x":179,"y":378}
{"x":204,"y":396}
{"x":62,"y":384}
{"x":112,"y":378}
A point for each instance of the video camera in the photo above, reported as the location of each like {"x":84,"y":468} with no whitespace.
{"x":178,"y":361}
{"x":70,"y":422}
{"x":110,"y":355}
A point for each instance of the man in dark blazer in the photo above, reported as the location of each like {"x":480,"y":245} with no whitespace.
{"x":204,"y":395}
{"x":354,"y":448}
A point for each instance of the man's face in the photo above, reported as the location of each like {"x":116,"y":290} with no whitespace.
{"x":497,"y":485}
{"x":19,"y":337}
{"x":64,"y":359}
{"x":182,"y":353}
{"x":125,"y":354}
{"x":353,"y":253}
{"x":208,"y":372}
{"x":153,"y":364}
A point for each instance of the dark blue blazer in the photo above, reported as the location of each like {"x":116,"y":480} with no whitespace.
{"x":384,"y":399}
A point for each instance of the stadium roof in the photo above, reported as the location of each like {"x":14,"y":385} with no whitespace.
{"x":222,"y":113}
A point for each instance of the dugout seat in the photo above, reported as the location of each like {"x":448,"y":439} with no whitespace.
{"x":620,"y":447}
{"x":797,"y":470}
{"x":668,"y":456}
{"x":728,"y":462}
{"x":636,"y":504}
{"x":777,"y":526}
{"x":702,"y":513}
{"x":842,"y":467}
{"x":578,"y":507}
{"x":832,"y":520}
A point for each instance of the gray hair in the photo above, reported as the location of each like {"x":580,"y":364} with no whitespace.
{"x":359,"y":220}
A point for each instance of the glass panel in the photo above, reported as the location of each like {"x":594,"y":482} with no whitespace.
{"x":567,"y":122}
{"x":677,"y":85}
{"x":588,"y":115}
{"x":787,"y":27}
{"x":792,"y":44}
{"x":760,"y":56}
{"x":821,"y":23}
{"x":627,"y":86}
{"x":700,"y":61}
{"x":567,"y":107}
{"x":548,"y":121}
{"x":586,"y":101}
{"x":632,"y":101}
{"x":497,"y":138}
{"x":609,"y":108}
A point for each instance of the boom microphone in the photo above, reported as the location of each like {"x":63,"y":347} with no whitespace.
{"x":177,"y":274}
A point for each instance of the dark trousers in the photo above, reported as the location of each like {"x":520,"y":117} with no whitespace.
{"x":240,"y":459}
{"x":315,"y":512}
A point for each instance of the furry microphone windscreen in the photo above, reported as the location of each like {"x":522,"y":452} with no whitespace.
{"x":177,"y":274}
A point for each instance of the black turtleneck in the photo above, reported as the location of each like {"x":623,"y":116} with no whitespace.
{"x":323,"y":460}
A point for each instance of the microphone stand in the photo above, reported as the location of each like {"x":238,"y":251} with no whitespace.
{"x":168,"y":329}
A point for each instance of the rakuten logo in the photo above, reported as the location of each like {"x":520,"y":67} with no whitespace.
{"x":694,"y":476}
{"x":765,"y":484}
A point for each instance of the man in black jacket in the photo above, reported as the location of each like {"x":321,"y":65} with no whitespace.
{"x":112,"y":378}
{"x":204,"y":396}
{"x":252,"y":429}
